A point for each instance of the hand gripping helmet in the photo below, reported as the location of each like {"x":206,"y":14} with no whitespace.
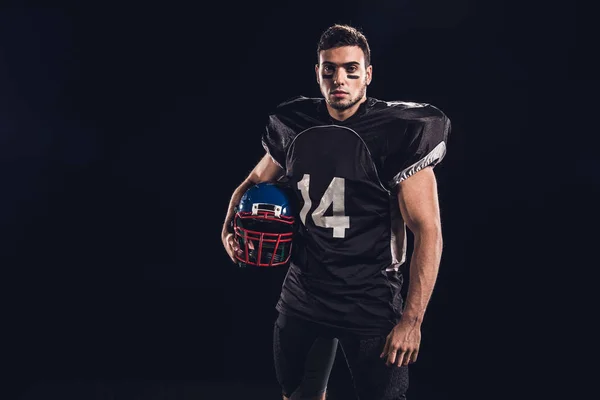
{"x":264,"y":226}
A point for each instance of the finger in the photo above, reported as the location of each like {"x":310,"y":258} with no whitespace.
{"x":230,"y":252}
{"x":407,"y":358}
{"x":232,"y":242}
{"x":232,"y":255}
{"x":400,"y":357}
{"x":237,"y":251}
{"x":234,"y":250}
{"x":385,"y":348}
{"x":414,"y":355}
{"x":391,"y":357}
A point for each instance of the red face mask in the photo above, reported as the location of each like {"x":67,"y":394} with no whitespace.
{"x":264,"y":235}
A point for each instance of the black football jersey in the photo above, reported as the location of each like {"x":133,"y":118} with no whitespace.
{"x":344,"y":267}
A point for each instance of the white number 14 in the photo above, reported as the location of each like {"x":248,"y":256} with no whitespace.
{"x":334,"y":194}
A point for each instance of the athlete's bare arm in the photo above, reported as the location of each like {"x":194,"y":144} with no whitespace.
{"x":418,"y":201}
{"x":266,"y":170}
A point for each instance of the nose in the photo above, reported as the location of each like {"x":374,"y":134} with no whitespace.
{"x":339,"y":77}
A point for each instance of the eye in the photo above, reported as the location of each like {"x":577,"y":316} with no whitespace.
{"x":352,"y":68}
{"x":327,"y":68}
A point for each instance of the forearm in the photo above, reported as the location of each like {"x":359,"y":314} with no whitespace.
{"x":235,"y":199}
{"x":266,"y":170}
{"x":424,"y":266}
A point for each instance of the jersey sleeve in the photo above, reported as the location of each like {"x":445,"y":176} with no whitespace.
{"x":421,"y":144}
{"x":279,"y":129}
{"x":272,"y":141}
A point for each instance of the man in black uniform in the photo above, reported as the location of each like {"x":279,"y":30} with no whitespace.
{"x":362,"y":170}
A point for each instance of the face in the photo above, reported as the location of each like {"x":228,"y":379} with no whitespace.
{"x":343,"y":77}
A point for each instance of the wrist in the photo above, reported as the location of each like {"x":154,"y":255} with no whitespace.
{"x":227,"y":228}
{"x":411,"y":318}
{"x":226,"y":231}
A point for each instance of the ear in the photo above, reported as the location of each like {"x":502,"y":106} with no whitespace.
{"x":369,"y":72}
{"x":317,"y":73}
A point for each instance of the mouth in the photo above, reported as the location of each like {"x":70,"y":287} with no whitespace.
{"x":338,"y":93}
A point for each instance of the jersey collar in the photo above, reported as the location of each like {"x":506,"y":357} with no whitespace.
{"x":364,"y":107}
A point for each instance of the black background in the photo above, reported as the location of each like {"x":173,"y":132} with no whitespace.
{"x":125,"y":127}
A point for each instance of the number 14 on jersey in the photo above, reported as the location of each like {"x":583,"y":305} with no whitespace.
{"x":333,"y":195}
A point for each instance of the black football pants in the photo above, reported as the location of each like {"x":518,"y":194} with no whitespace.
{"x":304,"y":353}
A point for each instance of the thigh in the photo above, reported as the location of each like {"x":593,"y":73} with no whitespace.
{"x":373,"y":380}
{"x":303,"y":358}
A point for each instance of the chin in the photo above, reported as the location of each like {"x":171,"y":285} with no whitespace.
{"x":340,"y":105}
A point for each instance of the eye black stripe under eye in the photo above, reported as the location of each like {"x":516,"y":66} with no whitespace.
{"x":348,"y":76}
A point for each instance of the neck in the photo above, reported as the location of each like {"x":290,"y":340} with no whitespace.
{"x":342,"y":115}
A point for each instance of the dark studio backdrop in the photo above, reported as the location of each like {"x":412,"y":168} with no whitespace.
{"x":125,"y":127}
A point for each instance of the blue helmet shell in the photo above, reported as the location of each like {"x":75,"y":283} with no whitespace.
{"x":266,"y":196}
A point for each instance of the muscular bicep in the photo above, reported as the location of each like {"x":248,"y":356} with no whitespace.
{"x":266,"y":170}
{"x":418,"y":201}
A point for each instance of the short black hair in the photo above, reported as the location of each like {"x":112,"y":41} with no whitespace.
{"x":339,"y":35}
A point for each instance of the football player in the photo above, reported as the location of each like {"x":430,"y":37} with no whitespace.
{"x":362,"y":170}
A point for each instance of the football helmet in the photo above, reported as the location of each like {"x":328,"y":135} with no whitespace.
{"x":264,"y":225}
